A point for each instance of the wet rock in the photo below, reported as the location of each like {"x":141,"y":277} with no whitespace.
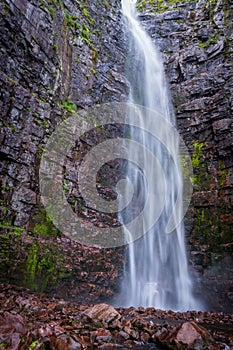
{"x":21,"y":219}
{"x":189,"y":335}
{"x":102,"y":312}
{"x":25,"y":195}
{"x":44,"y":59}
{"x":122,"y":336}
{"x":57,"y":324}
{"x":222,"y":125}
{"x":63,"y":342}
{"x":12,"y":329}
{"x":102,"y":335}
{"x":145,"y":337}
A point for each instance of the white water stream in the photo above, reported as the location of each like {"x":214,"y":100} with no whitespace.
{"x":156,"y":274}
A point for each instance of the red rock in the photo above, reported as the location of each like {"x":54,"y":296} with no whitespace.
{"x":12,"y":329}
{"x":188,"y":336}
{"x":115,"y":324}
{"x":109,"y":346}
{"x":101,"y":335}
{"x":122,"y":336}
{"x":145,"y":337}
{"x":102,"y":312}
{"x":131,"y":332}
{"x":63,"y":342}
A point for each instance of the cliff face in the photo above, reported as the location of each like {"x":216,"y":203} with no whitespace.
{"x":56,"y":55}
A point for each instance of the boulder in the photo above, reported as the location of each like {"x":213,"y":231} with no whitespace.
{"x":188,"y":335}
{"x":102,"y":312}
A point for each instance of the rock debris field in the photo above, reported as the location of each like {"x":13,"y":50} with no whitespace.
{"x":29,"y":321}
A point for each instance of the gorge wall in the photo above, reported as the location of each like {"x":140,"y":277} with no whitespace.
{"x":52,"y":53}
{"x":57,"y":57}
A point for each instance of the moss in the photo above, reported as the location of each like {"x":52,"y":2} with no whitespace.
{"x":3,"y":212}
{"x":159,"y":6}
{"x":85,"y":34}
{"x":86,"y":14}
{"x":209,"y":229}
{"x":11,"y":229}
{"x":83,"y":28}
{"x":222,"y":174}
{"x":30,"y":267}
{"x":93,"y":70}
{"x":69,"y":106}
{"x":33,"y":345}
{"x":47,"y":5}
{"x":71,"y":22}
{"x":46,"y":268}
{"x":55,"y":47}
{"x":207,"y":43}
{"x":5,"y":10}
{"x":43,"y":226}
{"x":41,"y":266}
{"x":55,"y":3}
{"x":43,"y":99}
{"x":200,"y":176}
{"x":197,"y":155}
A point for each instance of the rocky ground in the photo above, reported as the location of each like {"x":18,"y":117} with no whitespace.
{"x":29,"y":321}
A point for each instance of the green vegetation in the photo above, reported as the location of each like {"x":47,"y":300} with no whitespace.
{"x":3,"y":211}
{"x":69,"y":106}
{"x":82,"y":26}
{"x":43,"y":226}
{"x":38,"y":262}
{"x":207,"y":43}
{"x":93,"y":70}
{"x":158,"y":6}
{"x":30,"y":266}
{"x":43,"y":99}
{"x":87,"y":15}
{"x":51,"y":6}
{"x":197,"y":156}
{"x":210,"y":229}
{"x":55,"y":47}
{"x":40,"y":122}
{"x":10,"y":237}
{"x":40,"y":266}
{"x":211,"y":223}
{"x":85,"y":34}
{"x":48,"y":6}
{"x":198,"y":165}
{"x":55,"y":3}
{"x":12,"y":230}
{"x":222,"y":174}
{"x":71,"y":22}
{"x":34,"y":345}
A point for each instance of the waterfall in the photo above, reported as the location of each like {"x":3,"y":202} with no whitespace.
{"x":156,"y":271}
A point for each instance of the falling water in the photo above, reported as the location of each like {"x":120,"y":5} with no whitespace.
{"x":156,"y":272}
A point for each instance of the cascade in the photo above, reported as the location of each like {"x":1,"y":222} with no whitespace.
{"x":156,"y":273}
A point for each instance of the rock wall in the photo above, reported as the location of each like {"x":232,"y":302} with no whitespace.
{"x":55,"y":57}
{"x":59,"y":56}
